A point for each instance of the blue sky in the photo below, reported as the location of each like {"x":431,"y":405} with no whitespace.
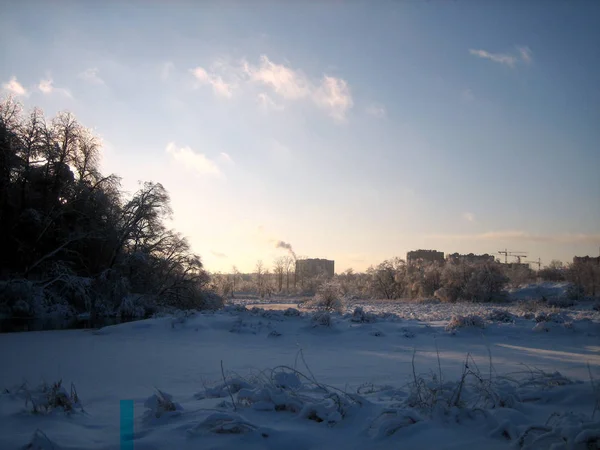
{"x":353,"y":130}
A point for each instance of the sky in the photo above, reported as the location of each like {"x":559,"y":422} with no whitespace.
{"x":352,"y":130}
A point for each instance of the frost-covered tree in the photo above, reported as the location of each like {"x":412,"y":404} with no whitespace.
{"x":69,"y":230}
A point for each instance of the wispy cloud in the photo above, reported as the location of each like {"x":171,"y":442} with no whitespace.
{"x":218,"y":254}
{"x":524,"y":55}
{"x":220,"y":87}
{"x":334,"y":96}
{"x":91,"y":76}
{"x":193,"y":161}
{"x":376,"y":110}
{"x":15,"y":88}
{"x":279,"y":83}
{"x":47,"y":87}
{"x":266,"y":103}
{"x":225,"y":158}
{"x":469,"y":217}
{"x":284,"y":81}
{"x":515,"y":235}
{"x":501,"y":58}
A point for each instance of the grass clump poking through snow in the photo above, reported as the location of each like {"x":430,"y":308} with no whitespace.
{"x":359,"y":315}
{"x":49,"y":398}
{"x":287,"y":390}
{"x":470,"y":321}
{"x":161,"y":404}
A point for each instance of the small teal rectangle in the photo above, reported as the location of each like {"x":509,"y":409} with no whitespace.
{"x":126,"y":424}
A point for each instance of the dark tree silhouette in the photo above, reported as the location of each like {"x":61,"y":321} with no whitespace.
{"x":70,"y":237}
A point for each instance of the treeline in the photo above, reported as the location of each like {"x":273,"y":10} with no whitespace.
{"x":394,"y":279}
{"x":71,"y":241}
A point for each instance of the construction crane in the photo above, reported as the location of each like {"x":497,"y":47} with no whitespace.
{"x":515,"y":254}
{"x":538,"y":262}
{"x":505,"y":253}
{"x":518,"y":255}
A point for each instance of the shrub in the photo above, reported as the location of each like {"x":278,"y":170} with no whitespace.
{"x":321,"y":319}
{"x":328,"y":297}
{"x":132,"y":306}
{"x":359,"y":315}
{"x":48,"y":398}
{"x":470,"y":321}
{"x":211,"y":300}
{"x":20,"y":298}
{"x":485,"y":283}
{"x":291,"y":312}
{"x":161,"y":404}
{"x":501,"y":315}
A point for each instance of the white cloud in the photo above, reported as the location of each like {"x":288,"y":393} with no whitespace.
{"x":334,"y":96}
{"x":501,"y":58}
{"x":218,"y":254}
{"x":331,"y":94}
{"x":525,"y":53}
{"x":193,"y":161}
{"x":377,"y":111}
{"x":91,"y":76}
{"x":220,"y":87}
{"x":286,"y":82}
{"x":14,"y":87}
{"x":469,"y":217}
{"x":47,"y":87}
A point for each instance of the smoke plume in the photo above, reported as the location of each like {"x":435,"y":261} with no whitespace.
{"x":288,"y":247}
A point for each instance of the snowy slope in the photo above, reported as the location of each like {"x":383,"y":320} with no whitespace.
{"x":355,"y":387}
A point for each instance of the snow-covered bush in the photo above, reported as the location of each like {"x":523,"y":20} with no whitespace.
{"x":321,"y":319}
{"x":291,"y":312}
{"x":48,"y":398}
{"x":161,"y":404}
{"x":485,"y":283}
{"x":445,"y":295}
{"x":211,"y":300}
{"x":575,"y":292}
{"x":501,"y":315}
{"x":231,"y":386}
{"x":530,"y":306}
{"x":20,"y":298}
{"x":554,"y":317}
{"x":359,"y":315}
{"x":132,"y":307}
{"x":470,"y":321}
{"x":328,"y":297}
{"x":561,"y":302}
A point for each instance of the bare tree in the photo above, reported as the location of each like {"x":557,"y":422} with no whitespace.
{"x":278,"y":270}
{"x":234,"y":276}
{"x":259,"y":271}
{"x":289,"y":266}
{"x":140,"y":216}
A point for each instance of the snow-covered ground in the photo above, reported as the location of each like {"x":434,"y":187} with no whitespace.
{"x":368,"y":380}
